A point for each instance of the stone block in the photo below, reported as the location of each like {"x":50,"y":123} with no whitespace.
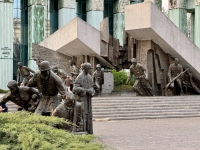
{"x":76,"y":38}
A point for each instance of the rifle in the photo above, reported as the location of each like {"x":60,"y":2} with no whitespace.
{"x":168,"y":84}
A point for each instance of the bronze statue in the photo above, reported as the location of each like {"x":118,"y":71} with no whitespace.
{"x":190,"y":82}
{"x":98,"y":79}
{"x":60,"y":72}
{"x":48,"y":84}
{"x":33,"y":103}
{"x":25,"y":72}
{"x":70,"y":110}
{"x":19,"y":95}
{"x":83,"y":88}
{"x":73,"y":67}
{"x":141,"y":79}
{"x":175,"y":70}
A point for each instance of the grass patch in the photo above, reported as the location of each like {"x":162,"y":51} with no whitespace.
{"x":3,"y":91}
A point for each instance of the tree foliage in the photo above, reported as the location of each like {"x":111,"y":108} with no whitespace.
{"x":26,"y":131}
{"x":120,"y":78}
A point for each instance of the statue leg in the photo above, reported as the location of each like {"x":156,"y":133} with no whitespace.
{"x":178,"y":81}
{"x":136,"y":88}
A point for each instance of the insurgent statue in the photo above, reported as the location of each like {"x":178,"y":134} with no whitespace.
{"x":98,"y":79}
{"x":19,"y":95}
{"x":49,"y":84}
{"x":25,"y":72}
{"x":60,"y":72}
{"x":175,"y":69}
{"x":189,"y":81}
{"x":83,"y":88}
{"x":141,"y":79}
{"x":73,"y":67}
{"x":34,"y":103}
{"x":70,"y":110}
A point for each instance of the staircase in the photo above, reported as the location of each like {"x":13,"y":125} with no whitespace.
{"x":128,"y":108}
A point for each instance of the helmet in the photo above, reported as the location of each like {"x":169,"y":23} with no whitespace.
{"x":12,"y":83}
{"x":134,"y":60}
{"x":44,"y":65}
{"x":98,"y":66}
{"x":19,"y":63}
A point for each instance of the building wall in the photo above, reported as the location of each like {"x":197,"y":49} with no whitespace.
{"x":6,"y":43}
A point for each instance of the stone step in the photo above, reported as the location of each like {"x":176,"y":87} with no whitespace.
{"x":144,"y":111}
{"x":146,"y":114}
{"x":117,"y":108}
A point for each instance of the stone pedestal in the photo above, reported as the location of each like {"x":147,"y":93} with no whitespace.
{"x":94,"y":10}
{"x":118,"y":19}
{"x":6,"y":42}
{"x":66,"y":11}
{"x":36,"y":28}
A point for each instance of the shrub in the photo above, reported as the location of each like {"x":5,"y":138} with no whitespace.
{"x":120,"y":78}
{"x":3,"y":91}
{"x":26,"y":131}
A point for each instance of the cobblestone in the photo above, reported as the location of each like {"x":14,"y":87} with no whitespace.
{"x":150,"y":134}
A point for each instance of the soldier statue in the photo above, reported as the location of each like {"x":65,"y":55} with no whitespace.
{"x":60,"y":72}
{"x":174,"y":70}
{"x":83,"y":88}
{"x":71,"y":111}
{"x":25,"y":72}
{"x":141,"y":79}
{"x":48,"y":84}
{"x":73,"y":67}
{"x":19,"y":95}
{"x":98,"y":79}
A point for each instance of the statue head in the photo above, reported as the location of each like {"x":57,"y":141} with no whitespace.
{"x":44,"y":67}
{"x":71,"y":63}
{"x":134,"y":61}
{"x":86,"y":67}
{"x":34,"y":97}
{"x":19,"y":64}
{"x":69,"y":99}
{"x":55,"y":69}
{"x":12,"y":85}
{"x":98,"y":67}
{"x":176,"y":61}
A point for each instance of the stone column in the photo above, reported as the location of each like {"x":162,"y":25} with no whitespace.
{"x":158,"y":3}
{"x":66,"y":11}
{"x":36,"y":27}
{"x":197,"y":24}
{"x":94,"y":10}
{"x":178,"y":14}
{"x":118,"y":19}
{"x":6,"y":42}
{"x":24,"y":32}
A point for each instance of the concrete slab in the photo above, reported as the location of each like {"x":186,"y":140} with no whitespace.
{"x":144,"y":21}
{"x":76,"y":38}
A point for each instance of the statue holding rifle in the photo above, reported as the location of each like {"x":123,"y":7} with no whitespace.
{"x":175,"y":73}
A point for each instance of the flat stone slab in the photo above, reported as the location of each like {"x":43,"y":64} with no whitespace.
{"x":144,"y":21}
{"x":76,"y":38}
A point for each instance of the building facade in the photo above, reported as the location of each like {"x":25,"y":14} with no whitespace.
{"x":31,"y":21}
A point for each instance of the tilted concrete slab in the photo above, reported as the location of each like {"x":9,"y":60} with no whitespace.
{"x":144,"y":21}
{"x":76,"y":38}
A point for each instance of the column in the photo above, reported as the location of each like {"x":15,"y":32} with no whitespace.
{"x":36,"y":27}
{"x":178,"y":14}
{"x":197,"y":24}
{"x":94,"y":10}
{"x":66,"y":11}
{"x":6,"y":42}
{"x":24,"y":32}
{"x":118,"y":19}
{"x":53,"y":16}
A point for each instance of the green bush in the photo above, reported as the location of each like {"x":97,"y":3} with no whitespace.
{"x":124,"y":88}
{"x":25,"y":131}
{"x":120,"y":78}
{"x":3,"y":91}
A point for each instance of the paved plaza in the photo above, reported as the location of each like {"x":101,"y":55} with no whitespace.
{"x":150,"y":134}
